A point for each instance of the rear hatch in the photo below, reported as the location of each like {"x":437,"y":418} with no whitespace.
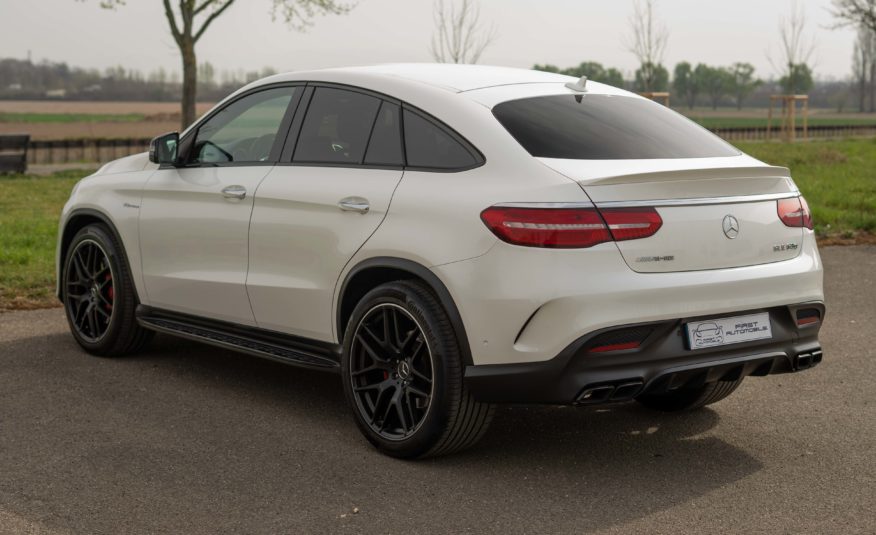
{"x":715,"y":213}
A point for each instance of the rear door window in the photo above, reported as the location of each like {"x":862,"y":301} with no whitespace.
{"x":336,"y":128}
{"x":606,"y":127}
{"x":428,"y":145}
{"x":385,"y":146}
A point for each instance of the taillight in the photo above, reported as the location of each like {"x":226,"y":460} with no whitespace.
{"x":794,"y":212}
{"x":567,"y":228}
{"x":559,"y":228}
{"x":632,"y":223}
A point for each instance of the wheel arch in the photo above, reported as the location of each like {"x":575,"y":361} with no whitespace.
{"x":373,"y":272}
{"x":76,"y":221}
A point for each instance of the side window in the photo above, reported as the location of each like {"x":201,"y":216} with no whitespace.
{"x":245,"y":130}
{"x":427,"y":145}
{"x":337,"y":127}
{"x":385,"y":147}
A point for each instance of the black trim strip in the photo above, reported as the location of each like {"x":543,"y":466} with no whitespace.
{"x":263,"y":343}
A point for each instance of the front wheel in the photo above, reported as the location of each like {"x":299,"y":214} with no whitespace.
{"x":99,"y":296}
{"x":402,"y":372}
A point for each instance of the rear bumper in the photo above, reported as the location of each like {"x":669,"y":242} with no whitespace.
{"x":663,"y":362}
{"x":526,"y":305}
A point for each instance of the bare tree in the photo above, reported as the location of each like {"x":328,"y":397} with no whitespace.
{"x":864,"y":67}
{"x":459,"y":36}
{"x":855,"y":13}
{"x":190,"y":19}
{"x":647,"y":42}
{"x":797,"y":47}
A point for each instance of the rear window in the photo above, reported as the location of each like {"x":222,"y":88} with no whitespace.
{"x":605,"y":127}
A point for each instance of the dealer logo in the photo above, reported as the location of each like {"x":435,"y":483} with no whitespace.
{"x":731,"y":227}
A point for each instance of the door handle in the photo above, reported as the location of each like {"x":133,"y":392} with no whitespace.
{"x":234,"y":192}
{"x":354,"y":204}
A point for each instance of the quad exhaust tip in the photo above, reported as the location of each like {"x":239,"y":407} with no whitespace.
{"x":804,"y":361}
{"x":610,"y":393}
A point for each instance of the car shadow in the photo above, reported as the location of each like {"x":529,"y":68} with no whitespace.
{"x":197,"y":419}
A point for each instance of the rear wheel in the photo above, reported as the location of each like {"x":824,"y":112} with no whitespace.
{"x":402,"y":372}
{"x":688,"y":399}
{"x":99,"y":296}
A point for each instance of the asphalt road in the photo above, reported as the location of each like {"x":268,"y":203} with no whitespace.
{"x":189,"y":439}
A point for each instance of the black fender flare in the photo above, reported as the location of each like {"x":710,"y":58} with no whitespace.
{"x":65,"y":238}
{"x":422,"y":272}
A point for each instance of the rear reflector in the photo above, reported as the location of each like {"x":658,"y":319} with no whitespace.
{"x":808,"y":316}
{"x":794,"y":212}
{"x":620,"y":339}
{"x":568,"y":228}
{"x":614,"y":347}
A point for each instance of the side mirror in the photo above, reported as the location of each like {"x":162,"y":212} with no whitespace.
{"x":163,"y":149}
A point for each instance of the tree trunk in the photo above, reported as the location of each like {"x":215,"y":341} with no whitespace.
{"x":190,"y":82}
{"x":872,"y":86}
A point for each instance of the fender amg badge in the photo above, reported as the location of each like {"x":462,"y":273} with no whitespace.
{"x":731,"y":227}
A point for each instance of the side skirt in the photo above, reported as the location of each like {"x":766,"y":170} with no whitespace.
{"x":262,"y":343}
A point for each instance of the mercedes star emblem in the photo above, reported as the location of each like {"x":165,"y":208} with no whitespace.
{"x":731,"y":227}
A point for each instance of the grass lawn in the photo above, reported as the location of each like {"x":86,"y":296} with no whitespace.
{"x":838,"y":179}
{"x":761,"y":122}
{"x":70,"y":117}
{"x":29,"y":211}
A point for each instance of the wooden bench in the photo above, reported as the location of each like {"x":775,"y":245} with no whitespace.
{"x":13,"y":153}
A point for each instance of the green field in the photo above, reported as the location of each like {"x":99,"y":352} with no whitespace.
{"x":70,"y":118}
{"x":716,"y":123}
{"x":29,"y":210}
{"x":837,"y":177}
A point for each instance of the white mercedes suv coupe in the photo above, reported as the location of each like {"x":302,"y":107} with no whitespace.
{"x":446,"y":238}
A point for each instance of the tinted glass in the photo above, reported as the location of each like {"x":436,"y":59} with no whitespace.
{"x":385,"y":147}
{"x":603,"y":127}
{"x":245,"y":130}
{"x":427,"y":145}
{"x":336,"y":127}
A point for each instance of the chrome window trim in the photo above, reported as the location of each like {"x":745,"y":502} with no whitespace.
{"x":580,"y":204}
{"x":738,"y":199}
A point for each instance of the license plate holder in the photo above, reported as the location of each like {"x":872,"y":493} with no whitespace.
{"x":718,"y":332}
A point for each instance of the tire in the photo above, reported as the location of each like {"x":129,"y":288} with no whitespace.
{"x":99,"y":296}
{"x":688,"y":399}
{"x":390,"y":402}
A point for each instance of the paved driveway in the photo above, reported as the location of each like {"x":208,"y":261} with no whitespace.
{"x":190,"y":439}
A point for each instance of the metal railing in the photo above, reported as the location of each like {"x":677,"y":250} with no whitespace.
{"x":83,"y":150}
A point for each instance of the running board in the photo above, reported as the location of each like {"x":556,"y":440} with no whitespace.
{"x":258,"y":342}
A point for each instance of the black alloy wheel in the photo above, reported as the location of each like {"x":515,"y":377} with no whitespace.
{"x":391,"y":371}
{"x":403,"y":371}
{"x":90,"y":292}
{"x":99,"y":295}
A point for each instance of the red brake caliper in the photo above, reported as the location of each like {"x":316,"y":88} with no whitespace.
{"x":110,"y":293}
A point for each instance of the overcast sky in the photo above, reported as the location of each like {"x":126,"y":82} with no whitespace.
{"x":561,"y":32}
